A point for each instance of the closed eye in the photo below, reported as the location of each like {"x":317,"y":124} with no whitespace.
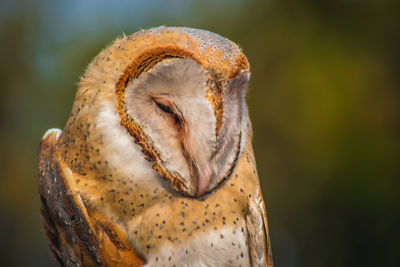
{"x":164,"y":108}
{"x":169,"y":108}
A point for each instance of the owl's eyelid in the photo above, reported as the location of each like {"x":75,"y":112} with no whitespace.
{"x":164,"y":104}
{"x":164,"y":108}
{"x":168,"y":106}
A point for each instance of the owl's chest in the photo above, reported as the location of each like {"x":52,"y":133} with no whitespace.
{"x":167,"y":228}
{"x":226,"y":246}
{"x":170,"y":229}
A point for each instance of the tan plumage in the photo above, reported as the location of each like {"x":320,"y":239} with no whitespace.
{"x":155,"y":164}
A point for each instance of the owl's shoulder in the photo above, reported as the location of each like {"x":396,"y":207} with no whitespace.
{"x":75,"y":236}
{"x":60,"y":212}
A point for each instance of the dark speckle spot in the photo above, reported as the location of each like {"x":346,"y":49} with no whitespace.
{"x":221,"y":235}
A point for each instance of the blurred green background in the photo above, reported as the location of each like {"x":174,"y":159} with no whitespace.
{"x":324,"y":100}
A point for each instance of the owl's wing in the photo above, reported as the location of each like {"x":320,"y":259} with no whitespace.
{"x":257,"y":228}
{"x":75,"y":237}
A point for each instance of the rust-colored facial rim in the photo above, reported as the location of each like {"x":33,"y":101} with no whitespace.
{"x":144,"y":62}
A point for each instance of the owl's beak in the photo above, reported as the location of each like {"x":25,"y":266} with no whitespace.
{"x":203,"y":182}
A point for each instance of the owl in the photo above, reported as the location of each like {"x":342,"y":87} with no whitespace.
{"x":155,"y":165}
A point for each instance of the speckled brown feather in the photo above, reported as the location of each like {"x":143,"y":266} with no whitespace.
{"x":176,"y":218}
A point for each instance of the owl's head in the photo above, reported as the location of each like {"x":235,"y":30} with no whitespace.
{"x":178,"y":93}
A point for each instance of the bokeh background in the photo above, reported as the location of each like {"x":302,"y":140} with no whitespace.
{"x":324,"y":100}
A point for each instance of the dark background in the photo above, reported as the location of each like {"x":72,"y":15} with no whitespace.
{"x":324,"y":101}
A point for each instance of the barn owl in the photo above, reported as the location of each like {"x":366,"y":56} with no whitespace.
{"x":155,"y":165}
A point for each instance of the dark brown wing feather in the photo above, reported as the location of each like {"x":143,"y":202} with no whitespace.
{"x":75,"y":238}
{"x":68,"y":232}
